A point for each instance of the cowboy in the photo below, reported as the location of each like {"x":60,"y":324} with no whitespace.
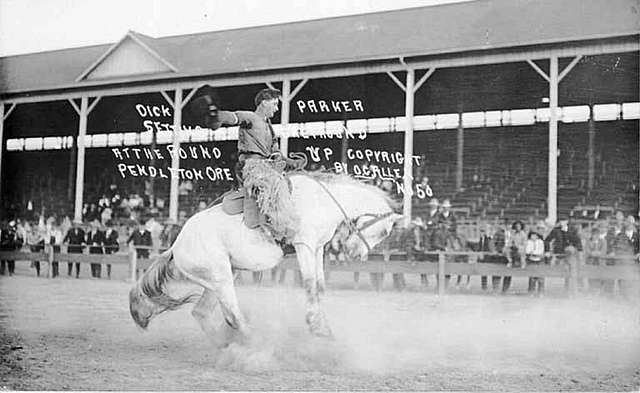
{"x":256,"y":140}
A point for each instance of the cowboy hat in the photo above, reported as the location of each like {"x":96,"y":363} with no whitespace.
{"x":446,"y":203}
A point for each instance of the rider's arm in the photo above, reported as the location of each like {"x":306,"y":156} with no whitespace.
{"x":234,"y":118}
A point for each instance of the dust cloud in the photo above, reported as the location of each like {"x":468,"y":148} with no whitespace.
{"x":391,"y":333}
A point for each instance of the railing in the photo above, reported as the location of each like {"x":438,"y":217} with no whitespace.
{"x":569,"y":266}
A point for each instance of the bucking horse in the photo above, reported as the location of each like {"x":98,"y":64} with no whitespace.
{"x":212,"y":243}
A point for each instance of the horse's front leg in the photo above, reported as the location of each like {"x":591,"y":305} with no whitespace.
{"x":308,"y":260}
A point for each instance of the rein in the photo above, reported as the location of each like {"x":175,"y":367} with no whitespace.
{"x":351,"y":222}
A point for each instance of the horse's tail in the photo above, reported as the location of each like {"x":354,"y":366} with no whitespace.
{"x":149,"y":296}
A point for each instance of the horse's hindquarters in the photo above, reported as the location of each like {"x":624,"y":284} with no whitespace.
{"x":212,"y":239}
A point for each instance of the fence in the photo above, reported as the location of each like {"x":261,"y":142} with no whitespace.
{"x":570,"y":266}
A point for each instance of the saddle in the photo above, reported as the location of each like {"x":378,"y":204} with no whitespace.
{"x":237,"y":202}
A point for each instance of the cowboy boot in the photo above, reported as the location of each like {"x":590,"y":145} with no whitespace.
{"x":251,"y":211}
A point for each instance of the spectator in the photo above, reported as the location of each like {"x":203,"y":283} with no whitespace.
{"x":626,"y":248}
{"x":155,"y":228}
{"x":54,"y":236}
{"x":501,"y":240}
{"x":446,"y":215}
{"x":425,"y":235}
{"x":75,"y":240}
{"x":560,"y":238}
{"x":95,"y":241}
{"x":534,"y":251}
{"x":517,"y":242}
{"x":616,"y":228}
{"x":626,"y":242}
{"x":36,"y":237}
{"x":111,"y":245}
{"x":486,"y":245}
{"x":141,"y":237}
{"x":595,"y":248}
{"x":9,"y":241}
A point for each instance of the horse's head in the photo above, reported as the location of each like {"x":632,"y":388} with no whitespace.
{"x":367,"y":231}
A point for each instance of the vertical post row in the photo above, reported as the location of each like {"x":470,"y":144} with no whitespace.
{"x":284,"y":117}
{"x":408,"y":146}
{"x":82,"y":132}
{"x":552,"y":197}
{"x":175,"y":158}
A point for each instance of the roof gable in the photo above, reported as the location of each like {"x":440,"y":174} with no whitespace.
{"x":131,"y":56}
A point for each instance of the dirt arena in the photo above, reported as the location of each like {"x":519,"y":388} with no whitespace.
{"x":78,"y":335}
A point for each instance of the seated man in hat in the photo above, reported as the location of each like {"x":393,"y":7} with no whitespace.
{"x":256,"y":141}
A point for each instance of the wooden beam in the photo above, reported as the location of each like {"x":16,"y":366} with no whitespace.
{"x":538,"y":70}
{"x":424,"y":78}
{"x":297,"y":89}
{"x":569,"y":68}
{"x":191,"y":94}
{"x":168,"y":99}
{"x":8,"y":112}
{"x":93,"y":104}
{"x":397,"y":81}
{"x":74,"y":105}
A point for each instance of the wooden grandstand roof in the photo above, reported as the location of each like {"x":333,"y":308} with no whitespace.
{"x":480,"y":25}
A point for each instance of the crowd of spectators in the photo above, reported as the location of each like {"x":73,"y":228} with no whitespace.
{"x":93,"y":236}
{"x":517,"y":244}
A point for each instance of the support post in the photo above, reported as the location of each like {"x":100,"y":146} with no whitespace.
{"x":152,"y":162}
{"x":552,"y":194}
{"x":590,"y":152}
{"x":284,"y":116}
{"x":574,"y":265}
{"x":82,"y":132}
{"x":1,"y":144}
{"x":49,"y":248}
{"x":175,"y":158}
{"x":408,"y":147}
{"x":441,"y":274}
{"x":133,"y":264}
{"x":460,"y":151}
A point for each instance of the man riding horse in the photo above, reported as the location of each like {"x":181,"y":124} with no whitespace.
{"x":256,"y":141}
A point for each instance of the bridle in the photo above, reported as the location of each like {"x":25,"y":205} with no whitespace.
{"x":351,"y":222}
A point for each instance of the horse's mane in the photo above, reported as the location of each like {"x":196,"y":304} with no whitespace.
{"x":340,"y":178}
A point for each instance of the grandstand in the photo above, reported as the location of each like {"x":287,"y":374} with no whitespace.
{"x":481,"y":119}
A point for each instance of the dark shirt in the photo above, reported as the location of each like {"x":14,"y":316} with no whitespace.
{"x":625,"y":245}
{"x":95,"y":240}
{"x":75,"y":238}
{"x":141,"y":239}
{"x":111,"y":241}
{"x":558,"y":240}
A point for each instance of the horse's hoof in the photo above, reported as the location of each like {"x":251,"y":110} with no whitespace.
{"x":324,"y":332}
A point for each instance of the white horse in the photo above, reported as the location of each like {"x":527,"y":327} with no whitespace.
{"x":212,"y":243}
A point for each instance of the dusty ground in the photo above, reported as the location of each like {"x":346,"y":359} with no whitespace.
{"x":77,"y":334}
